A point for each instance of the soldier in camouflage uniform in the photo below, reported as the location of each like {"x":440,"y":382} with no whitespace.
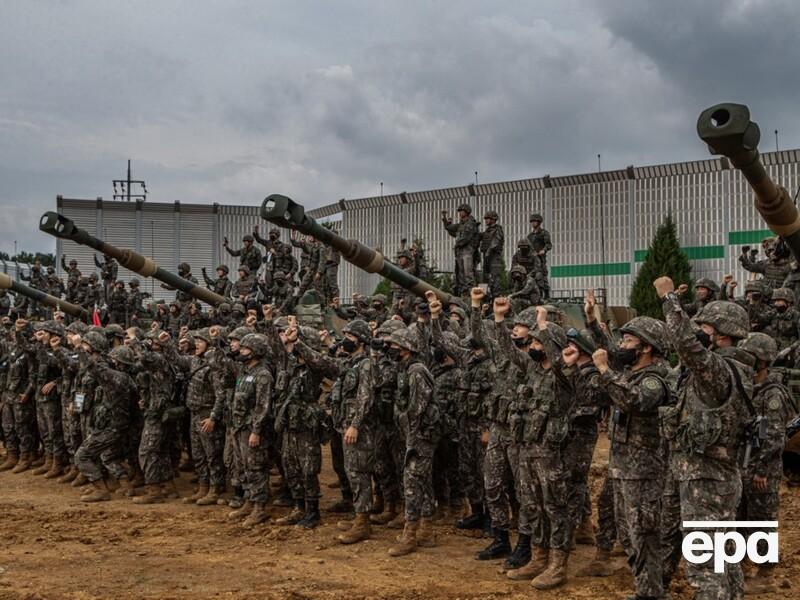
{"x":92,"y":293}
{"x":492,"y":245}
{"x":705,"y":291}
{"x":467,"y":235}
{"x":541,"y":245}
{"x":755,"y":302}
{"x":72,"y":272}
{"x":136,"y":297}
{"x":48,"y":401}
{"x":706,"y":427}
{"x":245,"y":287}
{"x":775,"y":267}
{"x":405,"y":261}
{"x":761,"y":477}
{"x":786,"y":320}
{"x":108,"y":273}
{"x":634,"y":376}
{"x":183,"y":298}
{"x":18,"y":427}
{"x":524,"y":289}
{"x":221,"y":285}
{"x":281,"y":292}
{"x":272,"y":249}
{"x":328,"y":272}
{"x":420,"y":425}
{"x":249,"y":255}
{"x":118,"y":304}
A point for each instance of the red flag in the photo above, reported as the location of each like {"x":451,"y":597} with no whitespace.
{"x":96,"y":318}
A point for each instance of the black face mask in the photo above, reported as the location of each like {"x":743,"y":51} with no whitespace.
{"x":349,"y":345}
{"x":520,"y":342}
{"x":394,"y":353}
{"x":439,"y":355}
{"x":703,"y":338}
{"x":627,"y":356}
{"x":377,"y":344}
{"x":781,"y":309}
{"x":537,"y":355}
{"x":376,"y":307}
{"x":473,"y":343}
{"x":243,"y":357}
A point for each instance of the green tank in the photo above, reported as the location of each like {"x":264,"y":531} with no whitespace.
{"x":6,"y":283}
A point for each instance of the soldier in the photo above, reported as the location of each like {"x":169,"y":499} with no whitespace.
{"x":785,"y":323}
{"x":55,"y":287}
{"x":221,"y":285}
{"x":72,"y":271}
{"x":524,"y":289}
{"x":775,"y":267}
{"x":492,"y":245}
{"x":705,"y":291}
{"x":306,"y":251}
{"x":18,"y":392}
{"x":635,"y":382}
{"x":755,"y":303}
{"x":761,"y":477}
{"x":5,"y":303}
{"x":272,"y":248}
{"x":715,"y":389}
{"x":93,"y":293}
{"x":181,"y":297}
{"x":249,"y":255}
{"x":249,"y":418}
{"x":244,"y":287}
{"x":328,"y":272}
{"x":378,"y":312}
{"x":541,"y":244}
{"x":421,"y":269}
{"x":466,"y":232}
{"x":405,"y":261}
{"x":118,"y":304}
{"x":280,"y":293}
{"x":108,"y":273}
{"x":136,"y":297}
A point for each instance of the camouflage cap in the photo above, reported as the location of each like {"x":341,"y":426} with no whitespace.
{"x":114,"y":330}
{"x":122,"y":354}
{"x":405,"y":339}
{"x":784,"y":294}
{"x":202,"y":334}
{"x":452,"y":342}
{"x":707,"y":283}
{"x":405,"y":254}
{"x":527,"y":318}
{"x":223,"y":268}
{"x":754,"y":285}
{"x":728,"y":318}
{"x":556,"y":334}
{"x":650,"y":331}
{"x":536,"y":217}
{"x":760,"y":345}
{"x":491,"y":214}
{"x":256,"y":342}
{"x":53,"y":328}
{"x":310,"y":336}
{"x":388,"y":327}
{"x":360,"y":329}
{"x":275,"y":231}
{"x":279,"y":275}
{"x":518,"y":270}
{"x":465,"y":207}
{"x":93,"y":276}
{"x":239,"y":333}
{"x":96,"y":341}
{"x":73,"y":262}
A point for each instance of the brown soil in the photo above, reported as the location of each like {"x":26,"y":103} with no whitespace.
{"x":52,"y":546}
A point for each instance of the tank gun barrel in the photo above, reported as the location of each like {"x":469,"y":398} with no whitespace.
{"x":284,"y":212}
{"x":728,"y":130}
{"x":64,"y":228}
{"x":6,"y":283}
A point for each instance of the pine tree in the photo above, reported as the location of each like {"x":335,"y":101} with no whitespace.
{"x":664,"y":257}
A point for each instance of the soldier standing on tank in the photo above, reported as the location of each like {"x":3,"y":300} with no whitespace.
{"x":755,"y":302}
{"x":221,"y":285}
{"x":248,"y":254}
{"x":705,"y":291}
{"x":108,"y":273}
{"x":761,"y":477}
{"x":327,"y":276}
{"x":421,"y":270}
{"x":785,"y":322}
{"x":136,"y":297}
{"x":524,"y":289}
{"x":714,"y":391}
{"x":72,"y":271}
{"x":541,"y":245}
{"x":244,"y":287}
{"x":467,"y":234}
{"x":118,"y":304}
{"x":491,"y":246}
{"x":405,"y":261}
{"x":272,"y":248}
{"x":775,"y":267}
{"x":55,"y":287}
{"x":183,"y":298}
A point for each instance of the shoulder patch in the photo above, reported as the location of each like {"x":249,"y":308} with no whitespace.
{"x":774,"y":403}
{"x":651,"y":383}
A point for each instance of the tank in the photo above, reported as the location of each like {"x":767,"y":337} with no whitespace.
{"x":64,"y":228}
{"x":6,"y":283}
{"x":284,"y":212}
{"x":728,"y":130}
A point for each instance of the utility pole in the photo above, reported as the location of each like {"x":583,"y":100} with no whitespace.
{"x":126,"y":184}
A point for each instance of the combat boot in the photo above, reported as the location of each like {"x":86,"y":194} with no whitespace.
{"x":284,"y":497}
{"x":113,"y":484}
{"x":358,"y":532}
{"x":388,"y":514}
{"x":399,"y":521}
{"x":311,"y":518}
{"x":241,"y":513}
{"x":45,"y":466}
{"x":211,"y":497}
{"x":200,"y":492}
{"x":600,"y":565}
{"x":521,"y":554}
{"x":125,"y":488}
{"x":170,"y":490}
{"x":762,"y":583}
{"x":556,"y":572}
{"x":69,"y":476}
{"x":12,"y":460}
{"x":152,"y":495}
{"x":584,"y":533}
{"x":24,"y":463}
{"x":99,"y":492}
{"x":377,"y":504}
{"x":80,"y":480}
{"x":257,"y":516}
{"x":56,"y":469}
{"x":499,"y":547}
{"x":294,"y":517}
{"x":533,"y":568}
{"x":474,"y":520}
{"x":407,"y":542}
{"x":137,"y":480}
{"x":38,"y":460}
{"x":345,"y":505}
{"x":426,"y":537}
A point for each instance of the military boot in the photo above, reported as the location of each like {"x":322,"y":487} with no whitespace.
{"x":311,"y":518}
{"x":99,"y":492}
{"x":200,"y":492}
{"x":24,"y":463}
{"x":600,"y":565}
{"x":69,"y":476}
{"x":345,"y":505}
{"x":257,"y":516}
{"x":400,"y":520}
{"x":556,"y":572}
{"x":152,"y":495}
{"x":125,"y":488}
{"x":762,"y":583}
{"x":584,"y":533}
{"x":137,"y":480}
{"x":533,"y":568}
{"x":12,"y":460}
{"x":360,"y":530}
{"x":426,"y":537}
{"x":38,"y":460}
{"x":388,"y":514}
{"x":45,"y":466}
{"x":170,"y":490}
{"x":284,"y":497}
{"x":211,"y":497}
{"x":521,"y":554}
{"x":56,"y":469}
{"x":407,"y":542}
{"x":499,"y":547}
{"x":474,"y":520}
{"x":241,"y":513}
{"x":112,"y":484}
{"x":80,"y":480}
{"x":294,"y":517}
{"x":377,"y":504}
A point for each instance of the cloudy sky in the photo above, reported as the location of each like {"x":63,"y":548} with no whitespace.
{"x":230,"y":101}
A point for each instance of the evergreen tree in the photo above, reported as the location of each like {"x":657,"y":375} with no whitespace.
{"x":664,"y":257}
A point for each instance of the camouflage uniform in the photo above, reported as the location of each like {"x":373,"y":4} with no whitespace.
{"x":108,"y":273}
{"x":220,"y":285}
{"x":72,"y":272}
{"x":18,"y":415}
{"x":541,"y":243}
{"x":467,"y":234}
{"x":759,"y":312}
{"x":118,"y":305}
{"x":774,"y":268}
{"x":491,"y":246}
{"x":524,"y":289}
{"x":244,"y":287}
{"x":786,"y":319}
{"x":249,"y":257}
{"x":136,"y":297}
{"x":447,"y":477}
{"x":713,"y":294}
{"x":329,"y":272}
{"x":48,"y":407}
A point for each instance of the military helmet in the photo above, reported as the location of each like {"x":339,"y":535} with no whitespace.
{"x":785,"y":294}
{"x":459,"y":312}
{"x":728,"y":318}
{"x":465,"y":207}
{"x":491,"y":214}
{"x":405,"y":339}
{"x":754,"y":285}
{"x":388,"y":327}
{"x":275,"y":230}
{"x":452,"y":340}
{"x":238,"y":307}
{"x":51,"y":269}
{"x":114,"y":330}
{"x":93,"y":276}
{"x":223,"y":268}
{"x":247,"y":238}
{"x":379,"y":298}
{"x":96,"y":341}
{"x":536,"y":217}
{"x":760,"y":345}
{"x":554,"y":314}
{"x":185,"y":267}
{"x":279,"y":275}
{"x":245,"y":269}
{"x":224,"y":307}
{"x":651,"y":331}
{"x":122,"y":354}
{"x":77,"y":327}
{"x":582,"y":339}
{"x":73,"y":262}
{"x":405,"y":254}
{"x":310,"y":336}
{"x":53,"y":328}
{"x":524,"y":243}
{"x":557,"y":335}
{"x":239,"y":333}
{"x":518,"y":270}
{"x":527,"y":318}
{"x":707,"y":283}
{"x":281,"y":322}
{"x":257,"y":344}
{"x":456,"y":301}
{"x":360,"y":329}
{"x":134,"y":282}
{"x":202,"y":334}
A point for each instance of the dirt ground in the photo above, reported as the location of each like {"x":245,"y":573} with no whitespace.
{"x":52,"y":546}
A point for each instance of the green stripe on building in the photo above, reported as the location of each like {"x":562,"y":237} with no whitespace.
{"x":692,"y":253}
{"x":593,"y":270}
{"x":736,"y":238}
